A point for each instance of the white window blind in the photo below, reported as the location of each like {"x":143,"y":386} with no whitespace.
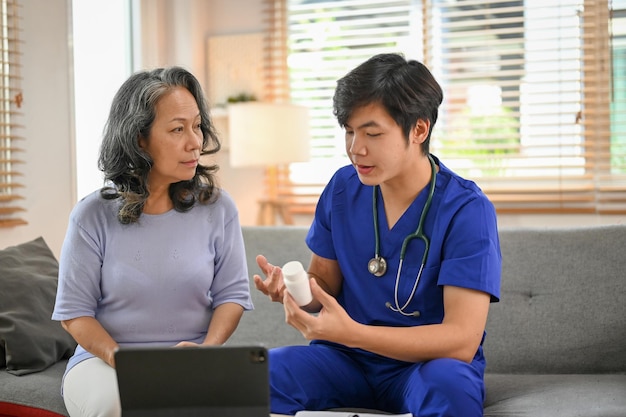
{"x":534,"y":92}
{"x":10,"y":104}
{"x":329,"y":38}
{"x":528,"y":98}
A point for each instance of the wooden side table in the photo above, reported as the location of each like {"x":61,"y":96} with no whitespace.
{"x":269,"y":209}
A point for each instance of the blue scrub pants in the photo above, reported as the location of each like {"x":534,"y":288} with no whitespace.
{"x":322,"y":376}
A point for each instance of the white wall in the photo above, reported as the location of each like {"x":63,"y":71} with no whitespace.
{"x":47,"y":108}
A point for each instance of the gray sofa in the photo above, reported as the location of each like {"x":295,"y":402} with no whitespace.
{"x":556,"y":343}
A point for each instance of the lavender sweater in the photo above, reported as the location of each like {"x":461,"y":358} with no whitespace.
{"x":155,"y":282}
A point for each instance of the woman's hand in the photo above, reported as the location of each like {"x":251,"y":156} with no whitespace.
{"x":185,"y":343}
{"x":273,"y":285}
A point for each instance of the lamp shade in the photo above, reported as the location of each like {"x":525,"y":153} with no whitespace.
{"x":263,"y":134}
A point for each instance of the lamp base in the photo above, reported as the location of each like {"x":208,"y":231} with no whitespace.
{"x":269,"y":209}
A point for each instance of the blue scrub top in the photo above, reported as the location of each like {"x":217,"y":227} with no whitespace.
{"x":464,"y":247}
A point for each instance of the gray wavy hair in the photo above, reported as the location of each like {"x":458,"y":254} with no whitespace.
{"x":126,"y":165}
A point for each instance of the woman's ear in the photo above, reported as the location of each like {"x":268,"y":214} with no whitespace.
{"x":419,"y":133}
{"x":141,"y":142}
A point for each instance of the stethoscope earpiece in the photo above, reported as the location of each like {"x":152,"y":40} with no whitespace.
{"x":377,"y":266}
{"x":416,"y":313}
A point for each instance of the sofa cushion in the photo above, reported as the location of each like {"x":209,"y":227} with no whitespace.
{"x":33,"y":395}
{"x":266,"y":323}
{"x":30,"y":341}
{"x":562,"y":304}
{"x":590,"y":395}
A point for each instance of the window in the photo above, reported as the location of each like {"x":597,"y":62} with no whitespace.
{"x":534,"y":92}
{"x":101,"y":33}
{"x":10,"y":104}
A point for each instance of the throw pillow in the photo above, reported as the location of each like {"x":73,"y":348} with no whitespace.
{"x":30,"y":341}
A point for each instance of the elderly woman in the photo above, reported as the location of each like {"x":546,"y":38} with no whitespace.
{"x":156,"y":257}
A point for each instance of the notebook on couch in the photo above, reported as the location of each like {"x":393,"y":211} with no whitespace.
{"x":217,"y":381}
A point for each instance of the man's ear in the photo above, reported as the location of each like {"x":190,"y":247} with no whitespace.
{"x":419,"y":133}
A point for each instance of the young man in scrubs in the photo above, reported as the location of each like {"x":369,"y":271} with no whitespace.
{"x":391,"y":334}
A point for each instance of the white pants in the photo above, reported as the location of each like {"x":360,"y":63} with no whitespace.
{"x":90,"y":390}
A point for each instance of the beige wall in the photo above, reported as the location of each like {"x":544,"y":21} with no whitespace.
{"x":48,"y":111}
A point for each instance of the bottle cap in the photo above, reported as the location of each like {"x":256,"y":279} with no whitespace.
{"x":297,"y":282}
{"x":292,"y":270}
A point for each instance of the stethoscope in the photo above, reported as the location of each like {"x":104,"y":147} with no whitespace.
{"x":378,"y":265}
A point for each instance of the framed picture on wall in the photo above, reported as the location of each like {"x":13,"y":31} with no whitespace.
{"x":235,"y":67}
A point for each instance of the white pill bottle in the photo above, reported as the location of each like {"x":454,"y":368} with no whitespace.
{"x":297,"y":282}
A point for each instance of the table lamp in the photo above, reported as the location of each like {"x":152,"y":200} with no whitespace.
{"x":269,"y":135}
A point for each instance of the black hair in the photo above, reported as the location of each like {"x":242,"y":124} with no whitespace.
{"x":406,"y":89}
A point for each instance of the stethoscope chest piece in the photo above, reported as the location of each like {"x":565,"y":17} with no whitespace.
{"x":377,"y":266}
